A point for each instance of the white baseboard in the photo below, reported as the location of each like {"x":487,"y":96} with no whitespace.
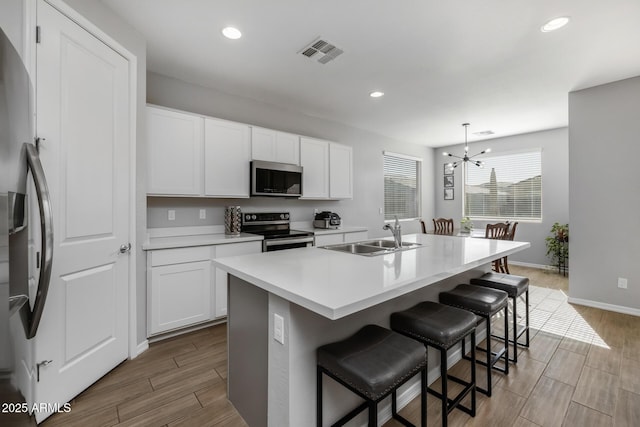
{"x":605,"y":306}
{"x":141,"y":348}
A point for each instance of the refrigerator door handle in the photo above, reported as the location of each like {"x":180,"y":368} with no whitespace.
{"x":46,"y":228}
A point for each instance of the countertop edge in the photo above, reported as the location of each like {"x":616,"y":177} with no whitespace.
{"x":348,"y":309}
{"x":173,"y":242}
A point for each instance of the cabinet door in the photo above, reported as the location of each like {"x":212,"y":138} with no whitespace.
{"x":287,"y":148}
{"x":357,"y":236}
{"x":227,"y":152}
{"x":179,"y":295}
{"x":340,"y":171}
{"x":174,"y":148}
{"x":230,"y":249}
{"x":329,"y":239}
{"x":274,"y":146}
{"x":314,"y":158}
{"x":263,"y":144}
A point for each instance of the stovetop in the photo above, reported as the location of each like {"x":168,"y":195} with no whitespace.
{"x":271,"y":225}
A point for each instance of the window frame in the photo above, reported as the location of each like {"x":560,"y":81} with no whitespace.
{"x":419,"y":172}
{"x":538,"y":150}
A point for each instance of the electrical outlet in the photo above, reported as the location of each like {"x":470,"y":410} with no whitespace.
{"x":380,"y":211}
{"x":278,"y":328}
{"x":171,"y":215}
{"x":203,"y":214}
{"x":622,"y":283}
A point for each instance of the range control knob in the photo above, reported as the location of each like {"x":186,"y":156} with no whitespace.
{"x":253,"y":217}
{"x":286,"y":216}
{"x":247,"y":217}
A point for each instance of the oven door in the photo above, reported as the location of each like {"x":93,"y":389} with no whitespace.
{"x":270,"y":245}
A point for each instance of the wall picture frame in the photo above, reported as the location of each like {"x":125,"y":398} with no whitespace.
{"x":448,"y":193}
{"x":448,"y":181}
{"x":448,"y":170}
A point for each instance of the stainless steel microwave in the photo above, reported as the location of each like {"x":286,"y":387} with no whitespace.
{"x":275,"y":179}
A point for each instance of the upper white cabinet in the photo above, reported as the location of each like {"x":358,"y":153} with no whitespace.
{"x":328,"y":169}
{"x":192,"y":155}
{"x":227,"y":153}
{"x":274,"y":146}
{"x":174,"y":147}
{"x":340,"y":171}
{"x":314,"y":159}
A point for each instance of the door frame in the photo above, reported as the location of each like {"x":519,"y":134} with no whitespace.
{"x":30,"y":54}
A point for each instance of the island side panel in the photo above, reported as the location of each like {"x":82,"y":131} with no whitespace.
{"x":247,"y":334}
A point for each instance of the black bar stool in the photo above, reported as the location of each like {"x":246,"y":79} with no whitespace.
{"x":372,"y":363}
{"x":485,"y":303}
{"x":514,"y":286}
{"x":442,"y":327}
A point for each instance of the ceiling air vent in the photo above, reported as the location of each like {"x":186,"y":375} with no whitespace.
{"x":321,"y":50}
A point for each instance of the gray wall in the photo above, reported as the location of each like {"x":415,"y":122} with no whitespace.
{"x":555,"y":186}
{"x":363,"y":210}
{"x":124,"y":34}
{"x":604,"y":244}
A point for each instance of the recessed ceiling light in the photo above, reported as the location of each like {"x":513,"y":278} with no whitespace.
{"x":555,"y":24}
{"x":231,"y":33}
{"x":376,"y":94}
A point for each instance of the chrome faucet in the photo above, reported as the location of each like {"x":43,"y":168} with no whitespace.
{"x":396,"y":230}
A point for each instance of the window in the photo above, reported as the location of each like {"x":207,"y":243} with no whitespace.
{"x":401,"y":186}
{"x":508,"y":186}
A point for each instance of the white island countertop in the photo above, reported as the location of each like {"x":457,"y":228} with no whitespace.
{"x":335,"y":284}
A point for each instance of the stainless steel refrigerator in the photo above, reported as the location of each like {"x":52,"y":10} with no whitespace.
{"x":25,"y":249}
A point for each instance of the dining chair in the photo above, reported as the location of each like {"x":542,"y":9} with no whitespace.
{"x":424,"y":227}
{"x":498,"y":231}
{"x":443,"y":226}
{"x":504,"y":266}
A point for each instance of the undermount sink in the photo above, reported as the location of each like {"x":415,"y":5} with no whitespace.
{"x":371,"y":247}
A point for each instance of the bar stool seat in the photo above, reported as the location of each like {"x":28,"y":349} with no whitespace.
{"x":441,"y":327}
{"x":372,"y":363}
{"x":484,"y":302}
{"x":514,"y":286}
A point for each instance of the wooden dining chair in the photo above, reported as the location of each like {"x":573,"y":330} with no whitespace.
{"x":498,"y":231}
{"x":504,"y":266}
{"x":443,"y":226}
{"x":424,"y":227}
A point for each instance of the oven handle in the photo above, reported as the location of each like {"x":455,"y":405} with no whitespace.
{"x":275,"y":242}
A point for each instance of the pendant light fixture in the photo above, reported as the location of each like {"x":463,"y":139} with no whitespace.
{"x":466,"y":157}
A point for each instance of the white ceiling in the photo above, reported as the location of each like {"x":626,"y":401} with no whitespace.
{"x":440,"y":63}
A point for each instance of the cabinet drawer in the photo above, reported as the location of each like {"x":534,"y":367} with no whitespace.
{"x":180,"y":255}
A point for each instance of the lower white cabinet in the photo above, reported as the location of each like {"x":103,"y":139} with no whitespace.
{"x":220,"y":276}
{"x":184,"y":288}
{"x":179,"y":292}
{"x":337,"y":238}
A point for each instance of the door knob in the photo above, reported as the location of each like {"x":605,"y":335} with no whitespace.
{"x":125,"y":248}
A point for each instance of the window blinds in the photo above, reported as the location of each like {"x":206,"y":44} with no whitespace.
{"x":509,"y":186}
{"x":401,"y":186}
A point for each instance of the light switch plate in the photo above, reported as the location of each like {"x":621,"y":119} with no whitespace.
{"x":203,"y":214}
{"x":171,"y":215}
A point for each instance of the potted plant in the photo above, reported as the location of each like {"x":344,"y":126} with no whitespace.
{"x":557,"y":247}
{"x":466,"y":225}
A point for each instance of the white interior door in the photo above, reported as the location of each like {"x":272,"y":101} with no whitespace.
{"x":83,"y":116}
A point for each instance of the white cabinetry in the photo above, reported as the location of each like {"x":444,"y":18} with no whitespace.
{"x":328,"y":169}
{"x":179,"y":288}
{"x":227,"y":153}
{"x":340,"y":171}
{"x":174,"y":148}
{"x":337,"y":238}
{"x":274,"y":146}
{"x":185,"y":289}
{"x":314,"y":159}
{"x":220,"y":276}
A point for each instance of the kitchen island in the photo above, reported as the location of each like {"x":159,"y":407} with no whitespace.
{"x":323,"y":296}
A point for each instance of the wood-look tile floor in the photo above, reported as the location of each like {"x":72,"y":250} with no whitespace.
{"x":582,"y":369}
